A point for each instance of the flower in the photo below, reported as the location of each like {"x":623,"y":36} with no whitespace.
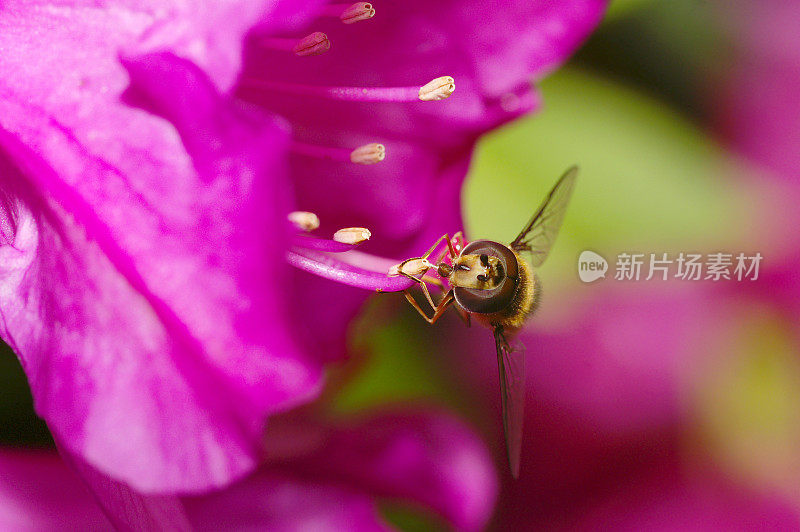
{"x":143,"y":280}
{"x":319,"y":475}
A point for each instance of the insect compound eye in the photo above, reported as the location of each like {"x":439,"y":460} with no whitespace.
{"x":483,"y":301}
{"x":484,"y":259}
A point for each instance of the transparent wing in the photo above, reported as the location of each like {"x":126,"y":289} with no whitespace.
{"x":541,"y":231}
{"x":511,"y":363}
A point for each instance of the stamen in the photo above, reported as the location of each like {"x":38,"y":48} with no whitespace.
{"x":349,"y":13}
{"x":305,"y":221}
{"x":352,"y":235}
{"x":411,"y":267}
{"x":314,"y":44}
{"x":438,"y":89}
{"x":368,"y":154}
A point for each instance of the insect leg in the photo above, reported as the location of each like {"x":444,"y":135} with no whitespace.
{"x":451,"y":251}
{"x":445,"y":237}
{"x":443,"y":305}
{"x":458,"y":237}
{"x":438,"y":311}
{"x":414,"y":304}
{"x":433,"y":280}
{"x":427,"y":294}
{"x":423,"y":286}
{"x":422,"y":279}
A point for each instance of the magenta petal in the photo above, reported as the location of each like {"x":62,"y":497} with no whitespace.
{"x":277,"y":502}
{"x":148,"y":281}
{"x":321,"y":312}
{"x":126,"y":508}
{"x":37,"y":492}
{"x":425,"y":457}
{"x":74,"y":45}
{"x":523,"y":36}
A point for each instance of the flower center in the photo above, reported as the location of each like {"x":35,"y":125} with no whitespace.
{"x":334,"y":258}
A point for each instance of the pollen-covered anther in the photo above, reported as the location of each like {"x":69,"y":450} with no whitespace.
{"x":368,"y":154}
{"x":357,"y":12}
{"x":305,"y":221}
{"x":352,"y":235}
{"x":314,"y":44}
{"x":411,"y":267}
{"x":438,"y":89}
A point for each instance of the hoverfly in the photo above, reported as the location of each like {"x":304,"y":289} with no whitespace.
{"x":492,"y":283}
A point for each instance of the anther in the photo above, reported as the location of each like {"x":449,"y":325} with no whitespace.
{"x":357,"y":12}
{"x":352,"y":235}
{"x":305,"y":221}
{"x":368,"y":154}
{"x":411,"y":267}
{"x":437,"y":89}
{"x":314,"y":44}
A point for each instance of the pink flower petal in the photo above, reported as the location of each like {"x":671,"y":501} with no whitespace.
{"x":274,"y":501}
{"x":420,"y":457}
{"x":37,"y":492}
{"x":126,"y":508}
{"x":143,"y":290}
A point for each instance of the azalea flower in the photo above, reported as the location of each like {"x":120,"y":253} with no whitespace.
{"x":143,"y":275}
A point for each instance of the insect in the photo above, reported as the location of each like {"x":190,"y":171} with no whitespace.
{"x":495,"y":285}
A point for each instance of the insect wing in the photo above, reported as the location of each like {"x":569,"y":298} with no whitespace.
{"x":539,"y":234}
{"x":511,"y":364}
